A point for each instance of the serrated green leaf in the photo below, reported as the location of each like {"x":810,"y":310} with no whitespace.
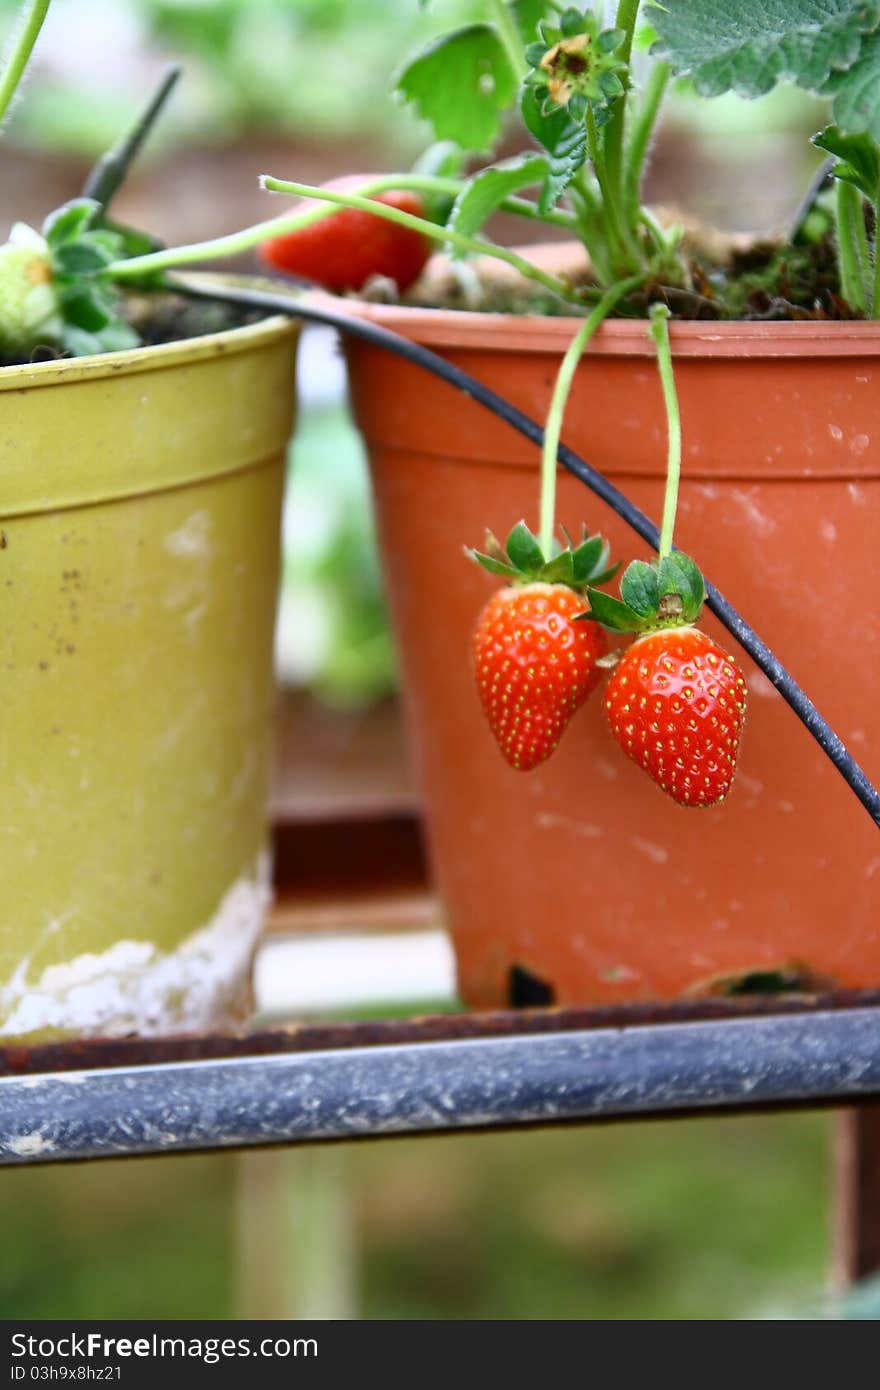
{"x":461,"y":84}
{"x":559,"y":570}
{"x":564,"y":140}
{"x":747,"y":46}
{"x":69,"y":220}
{"x":534,"y":53}
{"x":587,"y":556}
{"x":610,"y":612}
{"x":117,"y":336}
{"x":639,"y":588}
{"x":85,"y":306}
{"x":80,"y":258}
{"x":678,"y":574}
{"x":523,"y":550}
{"x":494,"y":566}
{"x":487,"y":190}
{"x":857,"y":93}
{"x":858,"y":155}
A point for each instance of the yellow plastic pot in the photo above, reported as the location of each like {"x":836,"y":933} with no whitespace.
{"x":140,"y":504}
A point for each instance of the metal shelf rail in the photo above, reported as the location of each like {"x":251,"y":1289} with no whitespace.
{"x":108,"y":1099}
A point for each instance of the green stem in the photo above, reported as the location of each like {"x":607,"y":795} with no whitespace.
{"x":137,"y":266}
{"x":609,"y":202}
{"x":23,"y":44}
{"x":863,"y":254}
{"x":627,"y":13}
{"x":509,"y":37}
{"x":875,"y":298}
{"x":659,"y":330}
{"x":561,"y":389}
{"x":640,"y":139}
{"x":848,"y":210}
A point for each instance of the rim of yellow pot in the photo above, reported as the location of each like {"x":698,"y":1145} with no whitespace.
{"x":149,"y":358}
{"x":58,"y":447}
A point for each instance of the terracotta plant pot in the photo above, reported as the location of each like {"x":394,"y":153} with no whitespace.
{"x":580,"y":881}
{"x":140,"y":498}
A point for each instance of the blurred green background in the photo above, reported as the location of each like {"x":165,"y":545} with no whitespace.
{"x":710,"y":1219}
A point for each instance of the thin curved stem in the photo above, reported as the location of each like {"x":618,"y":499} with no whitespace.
{"x":23,"y":45}
{"x":310,"y":308}
{"x":137,"y":266}
{"x":559,"y":400}
{"x":659,"y":331}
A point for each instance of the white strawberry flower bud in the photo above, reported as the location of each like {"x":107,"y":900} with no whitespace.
{"x":29,"y":309}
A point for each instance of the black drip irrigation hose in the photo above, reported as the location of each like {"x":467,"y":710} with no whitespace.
{"x":318,"y":312}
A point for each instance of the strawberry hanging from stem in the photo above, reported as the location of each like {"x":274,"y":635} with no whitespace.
{"x":535,"y":664}
{"x":676,"y":701}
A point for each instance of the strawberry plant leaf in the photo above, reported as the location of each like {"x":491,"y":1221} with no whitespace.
{"x":857,"y":155}
{"x":564,"y":140}
{"x":639,"y":588}
{"x":747,"y":46}
{"x":485,"y":191}
{"x":610,"y":612}
{"x":461,"y":84}
{"x":81,"y":257}
{"x":523,"y":550}
{"x":86,"y":305}
{"x":856,"y":93}
{"x":527,"y":15}
{"x":68,"y":221}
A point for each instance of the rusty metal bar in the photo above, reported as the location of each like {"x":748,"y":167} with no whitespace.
{"x":431,"y":1087}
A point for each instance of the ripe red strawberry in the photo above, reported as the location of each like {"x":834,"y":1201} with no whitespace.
{"x":676,"y":705}
{"x":344,"y":250}
{"x":535,"y":665}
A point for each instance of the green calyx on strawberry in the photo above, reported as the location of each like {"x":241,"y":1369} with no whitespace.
{"x":661,"y":594}
{"x":522,"y":561}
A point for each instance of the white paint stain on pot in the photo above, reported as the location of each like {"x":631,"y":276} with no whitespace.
{"x":135,"y":987}
{"x":193,"y":538}
{"x":656,"y":853}
{"x":760,"y":522}
{"x":548,"y":820}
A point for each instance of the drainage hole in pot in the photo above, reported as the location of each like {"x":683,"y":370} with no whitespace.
{"x":784,"y":979}
{"x":525,"y":990}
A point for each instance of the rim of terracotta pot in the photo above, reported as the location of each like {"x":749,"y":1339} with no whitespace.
{"x":539,"y":333}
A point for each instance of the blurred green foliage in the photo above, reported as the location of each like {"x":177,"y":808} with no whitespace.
{"x":697,"y":1219}
{"x":312,"y":69}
